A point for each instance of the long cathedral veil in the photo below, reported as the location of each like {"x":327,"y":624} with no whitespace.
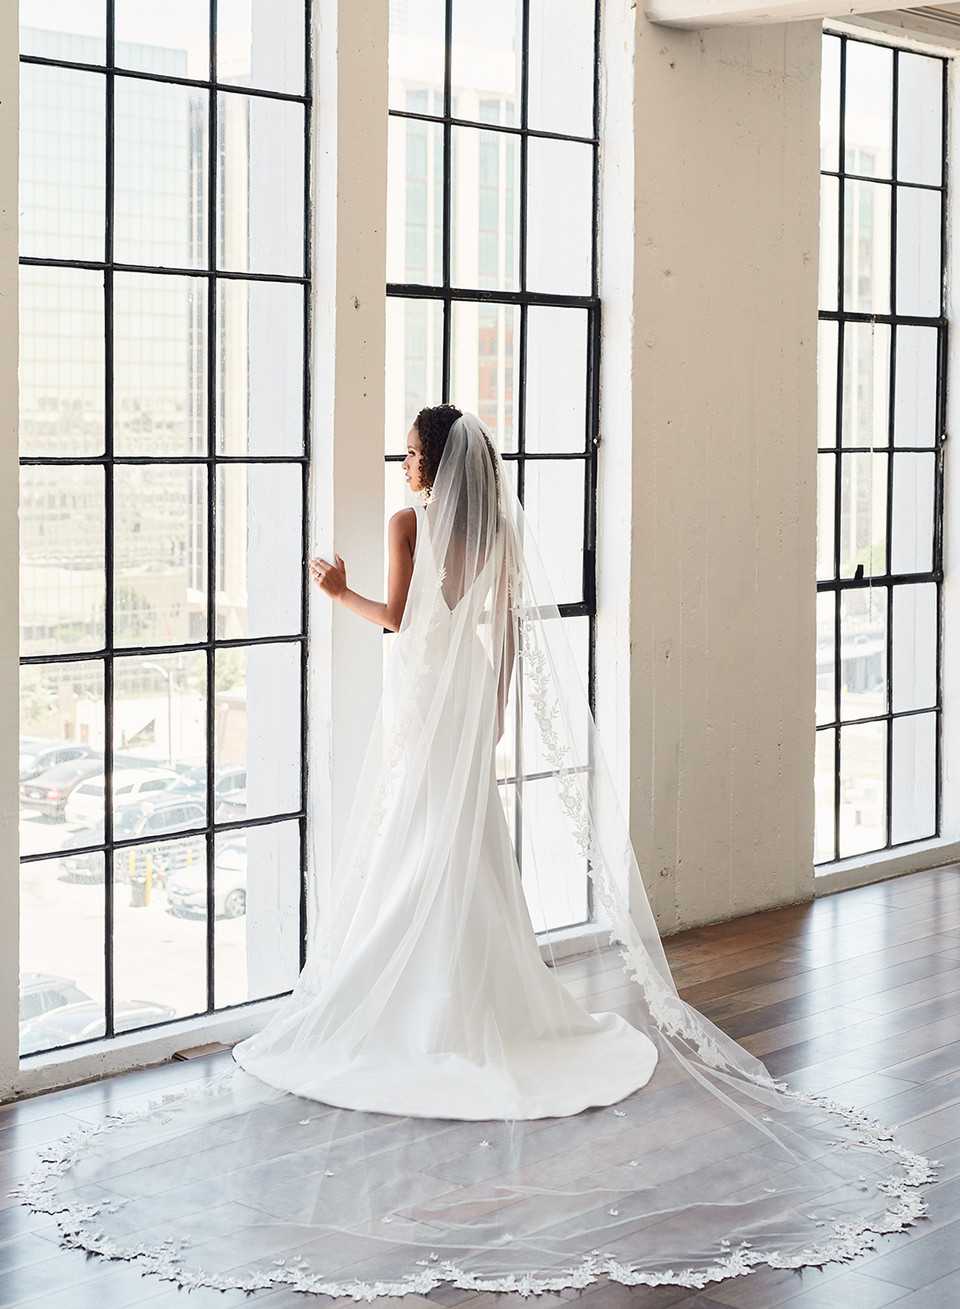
{"x":313,"y":1157}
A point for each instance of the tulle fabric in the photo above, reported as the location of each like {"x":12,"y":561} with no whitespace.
{"x":440,"y":1099}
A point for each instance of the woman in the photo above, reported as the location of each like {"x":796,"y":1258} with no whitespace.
{"x":432,"y":1103}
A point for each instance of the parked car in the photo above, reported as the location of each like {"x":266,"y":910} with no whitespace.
{"x":85,"y":804}
{"x":38,"y":753}
{"x":227,"y":783}
{"x":187,"y":889}
{"x":84,"y":1021}
{"x":42,"y":992}
{"x":138,"y":818}
{"x":48,"y":793}
{"x":161,"y":858}
{"x":232,"y":807}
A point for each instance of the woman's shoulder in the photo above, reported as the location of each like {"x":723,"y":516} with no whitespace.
{"x":402,"y":525}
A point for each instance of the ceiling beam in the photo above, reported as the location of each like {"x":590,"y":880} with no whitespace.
{"x":718,"y":13}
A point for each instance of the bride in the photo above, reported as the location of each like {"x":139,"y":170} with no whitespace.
{"x":436,"y":1101}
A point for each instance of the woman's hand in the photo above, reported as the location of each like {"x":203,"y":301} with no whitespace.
{"x":331,"y":578}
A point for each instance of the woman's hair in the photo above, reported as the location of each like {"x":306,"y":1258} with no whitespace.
{"x":433,"y":426}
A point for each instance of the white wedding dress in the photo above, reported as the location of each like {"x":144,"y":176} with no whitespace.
{"x":433,"y":1103}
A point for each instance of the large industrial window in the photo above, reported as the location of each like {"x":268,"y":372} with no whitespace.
{"x":492,"y":293}
{"x":882,"y":353}
{"x":163,"y":434}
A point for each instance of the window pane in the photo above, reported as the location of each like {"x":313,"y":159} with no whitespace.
{"x":62,"y":558}
{"x":485,"y":60}
{"x":553,"y":501}
{"x":863,"y":652}
{"x":173,"y":38}
{"x":914,"y":646}
{"x":256,"y":893}
{"x":415,"y":202}
{"x":258,"y":725}
{"x":554,"y":871}
{"x":561,"y":66}
{"x":159,"y":962}
{"x":560,"y":216}
{"x":920,"y":118}
{"x":866,"y":384}
{"x":61,"y":361}
{"x":160,"y":364}
{"x":824,"y":792}
{"x":556,"y":379}
{"x":918,"y":251}
{"x":160,"y":174}
{"x":485,"y":350}
{"x":260,"y":367}
{"x":826,"y":656}
{"x":826,"y":530}
{"x":913,"y":492}
{"x":260,"y":43}
{"x":829,"y":258}
{"x":915,"y":419}
{"x":260,"y":574}
{"x":76,"y":31}
{"x":62,"y":153}
{"x":866,"y":247}
{"x":863,"y":751}
{"x":913,"y":814}
{"x":830,"y":102}
{"x":414,"y":365}
{"x":827,"y":335}
{"x":869,"y":102}
{"x":160,"y":519}
{"x":260,"y":218}
{"x":863,"y":507}
{"x":61,"y":955}
{"x":416,"y":56}
{"x":485,"y":237}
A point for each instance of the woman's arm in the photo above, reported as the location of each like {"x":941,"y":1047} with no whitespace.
{"x":332,"y":578}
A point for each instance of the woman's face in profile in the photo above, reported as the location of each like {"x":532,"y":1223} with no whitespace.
{"x":411,"y":465}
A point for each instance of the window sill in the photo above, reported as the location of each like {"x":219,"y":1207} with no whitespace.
{"x":862,"y":870}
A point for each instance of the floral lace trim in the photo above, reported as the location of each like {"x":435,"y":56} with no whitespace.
{"x":80,"y":1227}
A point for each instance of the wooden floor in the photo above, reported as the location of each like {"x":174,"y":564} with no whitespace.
{"x":857,"y":993}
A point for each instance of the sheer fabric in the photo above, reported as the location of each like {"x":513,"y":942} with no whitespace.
{"x":436,"y":1101}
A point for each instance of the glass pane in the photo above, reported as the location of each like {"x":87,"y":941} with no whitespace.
{"x":866,"y":247}
{"x":914,"y":646}
{"x":416,"y":56}
{"x":915,"y":416}
{"x":826,"y":657}
{"x":160,"y":364}
{"x":62,"y":172}
{"x":61,"y":954}
{"x":260,"y":510}
{"x":827,"y":334}
{"x":918,"y":251}
{"x":556,"y":393}
{"x":913,"y":805}
{"x":485,"y":60}
{"x":829,"y":258}
{"x":160,"y":174}
{"x":258,"y":726}
{"x":553,"y":501}
{"x":913,"y":493}
{"x":62,"y":558}
{"x":485,"y":350}
{"x":260,"y":43}
{"x":824,"y":792}
{"x":485,"y":235}
{"x":830,"y":102}
{"x":172,"y":38}
{"x":256,"y":895}
{"x":559,"y":216}
{"x":863,"y":652}
{"x":554,"y":872}
{"x":414,"y":202}
{"x":869,"y":103}
{"x":160,"y":590}
{"x":160,"y":739}
{"x":414,"y":365}
{"x":75,"y":32}
{"x":159,"y":962}
{"x":863,"y":752}
{"x":826,"y":499}
{"x":61,"y":745}
{"x":863,"y":509}
{"x":259,"y":367}
{"x":260,"y":219}
{"x":920,"y":118}
{"x":866,"y":384}
{"x":561,"y":66}
{"x":62,"y":381}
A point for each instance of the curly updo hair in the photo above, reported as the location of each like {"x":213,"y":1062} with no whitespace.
{"x":433,"y":425}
